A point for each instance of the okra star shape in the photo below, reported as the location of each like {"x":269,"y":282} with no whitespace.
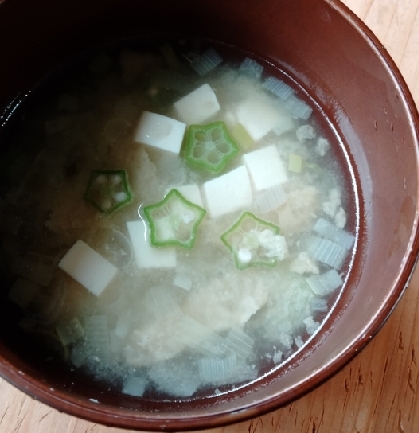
{"x":253,"y":242}
{"x":209,"y":146}
{"x":173,"y":221}
{"x":108,"y":190}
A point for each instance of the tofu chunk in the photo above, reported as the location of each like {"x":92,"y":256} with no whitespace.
{"x":265,"y":167}
{"x":145,"y":255}
{"x":228,"y":193}
{"x":88,"y":267}
{"x":190,"y":192}
{"x":198,"y":106}
{"x":258,"y":117}
{"x":160,"y":131}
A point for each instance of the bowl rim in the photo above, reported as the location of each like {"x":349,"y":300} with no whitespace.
{"x":123,"y":418}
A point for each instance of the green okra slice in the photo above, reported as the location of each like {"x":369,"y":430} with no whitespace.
{"x":209,"y":146}
{"x":174,"y":221}
{"x":108,"y":190}
{"x":254,"y":242}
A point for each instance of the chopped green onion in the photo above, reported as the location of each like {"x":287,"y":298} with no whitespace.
{"x":251,"y":68}
{"x":327,"y":252}
{"x":330,"y":231}
{"x":299,"y":109}
{"x":241,"y":136}
{"x":217,"y":370}
{"x":193,"y":334}
{"x":174,"y":377}
{"x":206,"y":62}
{"x":278,"y":88}
{"x":269,"y":199}
{"x":295,"y":163}
{"x":108,"y":190}
{"x":324,"y":284}
{"x":160,"y":303}
{"x":173,"y":221}
{"x":96,"y":333}
{"x":239,"y":343}
{"x":209,"y":146}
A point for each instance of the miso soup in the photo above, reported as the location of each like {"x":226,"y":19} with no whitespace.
{"x":173,"y":221}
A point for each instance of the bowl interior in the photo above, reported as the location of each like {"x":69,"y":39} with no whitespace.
{"x":339,"y":64}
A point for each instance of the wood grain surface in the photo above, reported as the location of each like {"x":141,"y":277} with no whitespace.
{"x":378,"y":390}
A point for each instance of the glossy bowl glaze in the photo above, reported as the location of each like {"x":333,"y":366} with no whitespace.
{"x":343,"y":67}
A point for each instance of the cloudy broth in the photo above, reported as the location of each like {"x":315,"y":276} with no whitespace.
{"x":177,"y":224}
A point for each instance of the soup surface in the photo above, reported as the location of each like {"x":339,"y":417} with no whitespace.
{"x":172,"y":222}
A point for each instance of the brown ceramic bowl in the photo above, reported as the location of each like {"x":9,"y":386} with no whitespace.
{"x":343,"y":67}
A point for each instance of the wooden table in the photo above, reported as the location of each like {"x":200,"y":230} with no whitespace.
{"x":379,"y":390}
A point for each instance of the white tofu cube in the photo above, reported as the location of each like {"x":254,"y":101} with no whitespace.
{"x":88,"y":267}
{"x":190,"y":192}
{"x":160,"y":131}
{"x":228,"y":193}
{"x":198,"y":106}
{"x":258,"y":117}
{"x":145,"y":255}
{"x":266,"y":168}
